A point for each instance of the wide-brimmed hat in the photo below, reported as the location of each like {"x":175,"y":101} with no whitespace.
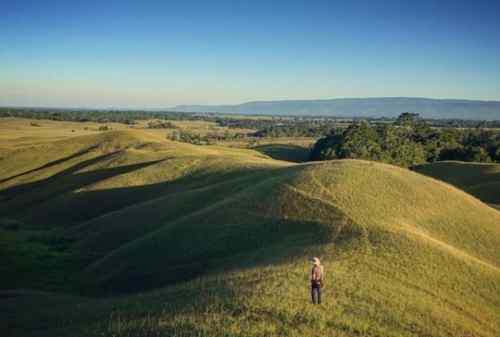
{"x":316,"y":260}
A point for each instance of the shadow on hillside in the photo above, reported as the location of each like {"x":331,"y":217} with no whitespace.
{"x":199,"y":286}
{"x":187,"y":250}
{"x":479,"y":179}
{"x":285,"y":152}
{"x":18,"y":200}
{"x":254,"y":247}
{"x":52,"y":163}
{"x":208,"y":239}
{"x":53,"y":201}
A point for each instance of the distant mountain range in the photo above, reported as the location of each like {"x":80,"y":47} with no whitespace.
{"x":362,"y":107}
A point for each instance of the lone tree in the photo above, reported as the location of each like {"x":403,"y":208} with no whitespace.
{"x":408,"y":119}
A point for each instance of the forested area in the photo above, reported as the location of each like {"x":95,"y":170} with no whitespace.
{"x":276,"y":127}
{"x":408,"y":141}
{"x":204,"y":139}
{"x":99,"y":116}
{"x":298,"y":129}
{"x":463,"y":123}
{"x":321,"y":126}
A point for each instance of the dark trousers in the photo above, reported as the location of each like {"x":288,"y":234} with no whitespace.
{"x":316,"y":293}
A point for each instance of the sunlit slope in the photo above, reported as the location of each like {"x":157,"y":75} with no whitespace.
{"x":70,"y":181}
{"x":398,"y":200}
{"x":16,"y":133}
{"x":375,"y":197}
{"x":394,"y":245}
{"x":405,"y":255}
{"x":479,"y":179}
{"x":408,"y":255}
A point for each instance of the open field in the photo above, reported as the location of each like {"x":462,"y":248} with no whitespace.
{"x":19,"y":132}
{"x":127,"y":233}
{"x":23,"y":132}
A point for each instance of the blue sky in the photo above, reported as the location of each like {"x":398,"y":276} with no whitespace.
{"x":155,"y":54}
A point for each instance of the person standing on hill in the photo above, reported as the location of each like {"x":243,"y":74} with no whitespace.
{"x":317,"y":274}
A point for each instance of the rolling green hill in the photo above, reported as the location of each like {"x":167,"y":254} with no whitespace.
{"x":165,"y":238}
{"x":479,"y":179}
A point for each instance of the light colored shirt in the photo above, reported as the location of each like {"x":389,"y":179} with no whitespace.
{"x":317,"y":273}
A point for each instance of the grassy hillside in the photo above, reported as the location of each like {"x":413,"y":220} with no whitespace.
{"x":479,"y":179}
{"x":287,"y":152}
{"x":156,"y":238}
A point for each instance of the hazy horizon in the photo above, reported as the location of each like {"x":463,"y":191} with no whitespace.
{"x":157,"y":55}
{"x":104,"y":107}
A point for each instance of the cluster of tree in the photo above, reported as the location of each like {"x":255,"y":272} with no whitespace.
{"x":159,"y":124}
{"x":292,"y":126}
{"x":100,"y":116}
{"x":408,"y":141}
{"x":298,"y":129}
{"x":251,"y":123}
{"x":206,"y":139}
{"x":464,"y":123}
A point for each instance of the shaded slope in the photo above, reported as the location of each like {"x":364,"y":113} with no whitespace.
{"x":287,"y":152}
{"x":479,"y":179}
{"x":252,"y":217}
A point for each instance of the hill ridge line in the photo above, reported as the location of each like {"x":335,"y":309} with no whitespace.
{"x":216,"y":204}
{"x":167,"y":195}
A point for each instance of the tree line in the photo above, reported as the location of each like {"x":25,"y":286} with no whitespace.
{"x":99,"y":116}
{"x":408,"y":141}
{"x":269,"y":126}
{"x":209,"y":138}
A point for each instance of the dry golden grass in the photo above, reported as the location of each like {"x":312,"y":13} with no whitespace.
{"x":19,"y":132}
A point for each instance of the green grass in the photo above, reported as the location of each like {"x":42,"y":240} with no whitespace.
{"x":479,"y":179}
{"x":288,"y":152}
{"x":158,"y":238}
